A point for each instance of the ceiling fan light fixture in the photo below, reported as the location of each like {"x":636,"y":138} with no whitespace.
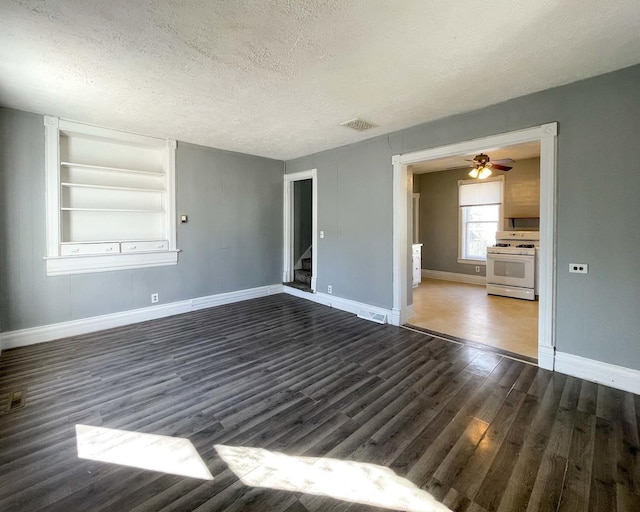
{"x":484,"y":173}
{"x":473,"y":173}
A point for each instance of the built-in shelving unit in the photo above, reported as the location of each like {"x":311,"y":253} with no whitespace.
{"x":110,"y":199}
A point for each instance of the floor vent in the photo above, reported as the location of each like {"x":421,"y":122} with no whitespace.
{"x":16,"y":400}
{"x":373,"y":316}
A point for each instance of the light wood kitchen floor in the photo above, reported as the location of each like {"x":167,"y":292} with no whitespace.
{"x":466,"y":311}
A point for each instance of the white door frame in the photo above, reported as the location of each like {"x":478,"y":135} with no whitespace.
{"x":547,"y":135}
{"x":288,"y":214}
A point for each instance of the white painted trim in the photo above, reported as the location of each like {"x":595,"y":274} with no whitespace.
{"x":546,"y":134}
{"x":287,"y":219}
{"x":52,"y":177}
{"x":484,"y":143}
{"x":23,"y":337}
{"x":351,"y":306}
{"x":400,"y":242}
{"x":75,"y":127}
{"x":171,"y":199}
{"x":65,"y":265}
{"x":612,"y":375}
{"x":548,"y":243}
{"x":546,"y":357}
{"x":411,"y":311}
{"x":455,"y":277}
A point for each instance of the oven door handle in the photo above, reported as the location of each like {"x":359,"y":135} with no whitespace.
{"x":510,"y":257}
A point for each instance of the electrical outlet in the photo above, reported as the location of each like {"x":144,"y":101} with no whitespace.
{"x":154,"y":298}
{"x":477,"y":268}
{"x":329,"y":289}
{"x":578,"y":268}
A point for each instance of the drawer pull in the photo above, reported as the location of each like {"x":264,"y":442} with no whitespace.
{"x":132,"y":247}
{"x":75,"y":250}
{"x":160,"y":246}
{"x":108,"y":249}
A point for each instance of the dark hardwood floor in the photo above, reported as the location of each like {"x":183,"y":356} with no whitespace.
{"x":478,"y":431}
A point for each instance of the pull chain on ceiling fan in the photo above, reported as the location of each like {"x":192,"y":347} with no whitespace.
{"x":482,"y":165}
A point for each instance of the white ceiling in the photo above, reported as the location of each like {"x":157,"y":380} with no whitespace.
{"x":275,"y":78}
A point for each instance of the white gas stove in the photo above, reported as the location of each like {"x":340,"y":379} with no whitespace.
{"x":512,"y":264}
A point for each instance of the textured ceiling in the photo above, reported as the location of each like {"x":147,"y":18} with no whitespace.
{"x":276,"y":78}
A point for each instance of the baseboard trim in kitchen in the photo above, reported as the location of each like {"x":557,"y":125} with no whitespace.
{"x":452,"y":276}
{"x":33,"y":335}
{"x":619,"y":377}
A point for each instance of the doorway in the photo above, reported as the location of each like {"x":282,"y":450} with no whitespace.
{"x":453,"y":232}
{"x":300,"y":231}
{"x":402,"y":199}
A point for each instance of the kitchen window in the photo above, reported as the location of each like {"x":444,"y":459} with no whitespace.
{"x":480,"y":216}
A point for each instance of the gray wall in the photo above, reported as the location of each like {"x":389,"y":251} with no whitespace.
{"x":354,"y":211}
{"x":439,"y":211}
{"x":233,"y":239}
{"x":598,"y":186}
{"x":302,"y":213}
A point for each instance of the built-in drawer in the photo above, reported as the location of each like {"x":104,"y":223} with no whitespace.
{"x":145,"y":246}
{"x":78,"y":249}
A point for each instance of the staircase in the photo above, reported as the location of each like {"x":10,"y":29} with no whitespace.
{"x":302,"y":277}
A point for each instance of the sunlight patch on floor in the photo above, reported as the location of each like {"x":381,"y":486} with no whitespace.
{"x":173,"y":455}
{"x":356,"y":482}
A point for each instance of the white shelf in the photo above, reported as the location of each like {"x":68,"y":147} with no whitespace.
{"x":111,"y":187}
{"x":110,"y":194}
{"x":116,"y":210}
{"x":112,"y":169}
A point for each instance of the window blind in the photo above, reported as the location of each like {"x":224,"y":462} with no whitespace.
{"x":480,"y":193}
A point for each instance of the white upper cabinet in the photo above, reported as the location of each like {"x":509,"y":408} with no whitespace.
{"x":110,"y":199}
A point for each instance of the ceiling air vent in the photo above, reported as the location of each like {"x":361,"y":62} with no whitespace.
{"x":359,"y":124}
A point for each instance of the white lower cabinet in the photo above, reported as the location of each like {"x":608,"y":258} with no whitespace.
{"x":80,"y":249}
{"x":147,"y":245}
{"x":417,"y":264}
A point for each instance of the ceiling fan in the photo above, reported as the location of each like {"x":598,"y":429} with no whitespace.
{"x":482,"y":165}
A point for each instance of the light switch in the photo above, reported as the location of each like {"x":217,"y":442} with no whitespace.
{"x":321,"y":234}
{"x":183,"y":219}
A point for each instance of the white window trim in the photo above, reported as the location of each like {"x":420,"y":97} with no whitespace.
{"x":472,"y":261}
{"x":56,"y":263}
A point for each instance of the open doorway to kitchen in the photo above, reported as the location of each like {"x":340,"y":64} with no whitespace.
{"x":455,"y":225}
{"x":403,"y":169}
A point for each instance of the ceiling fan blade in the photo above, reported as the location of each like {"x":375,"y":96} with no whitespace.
{"x":503,"y":161}
{"x":500,"y":167}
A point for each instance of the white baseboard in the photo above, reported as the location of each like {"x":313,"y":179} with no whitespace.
{"x":351,"y":306}
{"x":612,"y":375}
{"x":452,"y":276}
{"x":23,"y":337}
{"x":545,"y":357}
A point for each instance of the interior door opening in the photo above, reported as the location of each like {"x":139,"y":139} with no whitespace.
{"x":300,"y":244}
{"x":452,"y":295}
{"x":404,"y":307}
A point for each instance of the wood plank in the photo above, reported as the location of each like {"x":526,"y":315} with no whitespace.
{"x":479,"y":431}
